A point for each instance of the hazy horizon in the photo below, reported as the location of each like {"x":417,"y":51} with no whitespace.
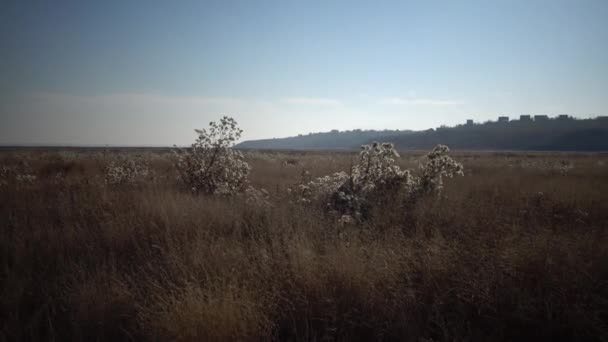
{"x":122,"y":74}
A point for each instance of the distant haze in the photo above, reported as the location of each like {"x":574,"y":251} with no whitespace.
{"x":148,"y":73}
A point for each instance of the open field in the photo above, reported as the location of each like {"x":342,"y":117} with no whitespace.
{"x":516,"y":249}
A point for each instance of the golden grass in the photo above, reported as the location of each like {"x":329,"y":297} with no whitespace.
{"x":490,"y":260}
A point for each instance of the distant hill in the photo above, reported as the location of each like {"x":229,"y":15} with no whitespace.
{"x":542,"y":134}
{"x":334,"y":140}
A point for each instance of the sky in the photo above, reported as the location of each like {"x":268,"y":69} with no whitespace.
{"x":149,"y":73}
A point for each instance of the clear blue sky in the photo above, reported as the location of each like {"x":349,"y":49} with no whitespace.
{"x":148,"y":73}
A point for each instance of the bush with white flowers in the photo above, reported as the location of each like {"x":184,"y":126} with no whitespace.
{"x":19,"y":174}
{"x":259,"y":198}
{"x":126,"y":171}
{"x":310,"y":190}
{"x":376,"y":179}
{"x":211,"y":165}
{"x":439,"y":165}
{"x":5,"y":175}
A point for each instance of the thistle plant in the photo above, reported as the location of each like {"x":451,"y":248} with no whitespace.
{"x":211,"y":165}
{"x":257,"y":197}
{"x":439,"y":165}
{"x":126,"y":171}
{"x":5,"y":175}
{"x":20,"y":174}
{"x":375,"y":180}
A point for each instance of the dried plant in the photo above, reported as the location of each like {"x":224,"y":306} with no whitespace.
{"x":211,"y":165}
{"x":439,"y":165}
{"x":374,"y":180}
{"x":19,"y":174}
{"x":126,"y":171}
{"x":257,"y":197}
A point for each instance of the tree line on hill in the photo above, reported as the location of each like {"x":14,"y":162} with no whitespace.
{"x":551,"y":134}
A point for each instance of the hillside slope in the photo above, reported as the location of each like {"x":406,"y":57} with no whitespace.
{"x":546,"y":135}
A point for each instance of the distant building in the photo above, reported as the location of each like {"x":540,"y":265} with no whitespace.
{"x":541,"y":117}
{"x":563,"y":117}
{"x":469,"y":122}
{"x":525,"y":117}
{"x":503,"y":119}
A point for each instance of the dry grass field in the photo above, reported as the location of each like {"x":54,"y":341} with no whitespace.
{"x":517,"y":249}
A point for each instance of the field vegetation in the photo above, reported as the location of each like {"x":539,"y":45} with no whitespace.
{"x":112,"y":246}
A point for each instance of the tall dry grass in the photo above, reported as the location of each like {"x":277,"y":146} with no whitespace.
{"x":514,"y":250}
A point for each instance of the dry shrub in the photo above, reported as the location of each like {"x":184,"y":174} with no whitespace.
{"x":211,"y":166}
{"x":126,"y":171}
{"x":375,"y":181}
{"x":17,"y":174}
